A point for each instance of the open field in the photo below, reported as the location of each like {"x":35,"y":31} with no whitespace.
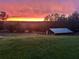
{"x":39,"y":47}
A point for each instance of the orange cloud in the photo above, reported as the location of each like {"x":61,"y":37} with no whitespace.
{"x":40,"y":9}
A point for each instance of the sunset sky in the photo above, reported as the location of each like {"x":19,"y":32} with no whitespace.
{"x":38,"y":8}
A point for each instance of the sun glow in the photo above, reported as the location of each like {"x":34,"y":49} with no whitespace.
{"x":25,"y":19}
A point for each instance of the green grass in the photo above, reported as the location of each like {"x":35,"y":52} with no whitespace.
{"x":39,"y":47}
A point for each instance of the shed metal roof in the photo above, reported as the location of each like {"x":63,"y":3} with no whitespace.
{"x":60,"y":30}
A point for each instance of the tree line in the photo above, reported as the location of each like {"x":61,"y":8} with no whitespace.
{"x":70,"y":21}
{"x":53,"y":20}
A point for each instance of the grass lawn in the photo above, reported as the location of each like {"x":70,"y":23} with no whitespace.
{"x":39,"y":47}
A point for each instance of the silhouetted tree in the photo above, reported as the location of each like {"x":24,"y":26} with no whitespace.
{"x":3,"y":15}
{"x":62,"y":18}
{"x":56,"y":15}
{"x":3,"y":18}
{"x":73,"y":21}
{"x":47,"y":18}
{"x":75,"y":15}
{"x":52,"y":17}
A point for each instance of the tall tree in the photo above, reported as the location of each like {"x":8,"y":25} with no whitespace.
{"x":56,"y":15}
{"x":74,"y":21}
{"x":75,"y":15}
{"x":3,"y":15}
{"x":3,"y":18}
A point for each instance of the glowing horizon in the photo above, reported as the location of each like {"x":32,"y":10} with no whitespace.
{"x":24,"y":19}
